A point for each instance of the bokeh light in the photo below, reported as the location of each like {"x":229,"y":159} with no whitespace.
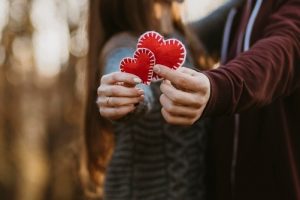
{"x":3,"y":15}
{"x":196,"y":9}
{"x":43,"y":59}
{"x":51,"y":37}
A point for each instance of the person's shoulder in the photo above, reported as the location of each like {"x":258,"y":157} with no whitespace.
{"x":120,"y":40}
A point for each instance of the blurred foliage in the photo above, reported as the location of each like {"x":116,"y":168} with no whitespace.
{"x":43,"y":48}
{"x":42,"y":61}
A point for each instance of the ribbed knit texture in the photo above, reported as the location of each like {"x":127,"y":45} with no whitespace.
{"x":153,"y":160}
{"x":156,"y":161}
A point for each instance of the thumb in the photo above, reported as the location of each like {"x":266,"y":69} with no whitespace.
{"x":182,"y":79}
{"x":167,"y":73}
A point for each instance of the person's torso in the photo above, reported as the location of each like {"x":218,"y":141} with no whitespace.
{"x":258,"y":156}
{"x":155,"y":160}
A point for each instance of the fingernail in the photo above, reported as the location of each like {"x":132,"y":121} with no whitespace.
{"x":140,"y":91}
{"x":137,"y":80}
{"x":156,"y":69}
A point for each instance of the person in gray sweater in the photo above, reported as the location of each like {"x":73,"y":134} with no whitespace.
{"x":151,"y":159}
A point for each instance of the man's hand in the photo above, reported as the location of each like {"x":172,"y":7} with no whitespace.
{"x":185,"y":94}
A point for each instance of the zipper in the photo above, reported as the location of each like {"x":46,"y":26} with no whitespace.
{"x":234,"y":152}
{"x":224,"y":49}
{"x":236,"y":135}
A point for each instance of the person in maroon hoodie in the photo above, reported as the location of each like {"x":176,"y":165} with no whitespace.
{"x":253,"y":97}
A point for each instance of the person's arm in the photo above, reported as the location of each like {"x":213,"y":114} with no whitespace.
{"x":268,"y":71}
{"x":210,"y":28}
{"x":258,"y":77}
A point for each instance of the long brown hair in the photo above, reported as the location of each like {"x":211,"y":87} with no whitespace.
{"x":107,"y":18}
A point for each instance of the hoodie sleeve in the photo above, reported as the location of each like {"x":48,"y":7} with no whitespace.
{"x":268,"y":71}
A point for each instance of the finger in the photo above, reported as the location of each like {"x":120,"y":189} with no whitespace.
{"x":199,"y":80}
{"x":119,"y":91}
{"x":116,"y":77}
{"x":116,"y":113}
{"x":188,"y":71}
{"x":118,"y":101}
{"x":177,"y":110}
{"x":178,"y":96}
{"x":176,"y":120}
{"x":125,"y":84}
{"x":185,"y":71}
{"x":180,"y":79}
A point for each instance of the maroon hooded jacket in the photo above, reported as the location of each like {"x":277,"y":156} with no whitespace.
{"x":254,"y":147}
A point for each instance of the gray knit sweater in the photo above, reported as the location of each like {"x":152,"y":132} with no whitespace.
{"x":154,"y":160}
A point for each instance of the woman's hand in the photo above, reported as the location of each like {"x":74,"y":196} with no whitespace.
{"x":185,"y":93}
{"x":117,"y":95}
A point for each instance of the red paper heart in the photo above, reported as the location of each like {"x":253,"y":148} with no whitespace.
{"x":170,"y":53}
{"x":141,"y":65}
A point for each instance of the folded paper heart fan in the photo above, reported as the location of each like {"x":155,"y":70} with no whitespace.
{"x":141,"y":65}
{"x":170,"y":53}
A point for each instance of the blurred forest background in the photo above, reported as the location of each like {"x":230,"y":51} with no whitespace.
{"x":43,"y":48}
